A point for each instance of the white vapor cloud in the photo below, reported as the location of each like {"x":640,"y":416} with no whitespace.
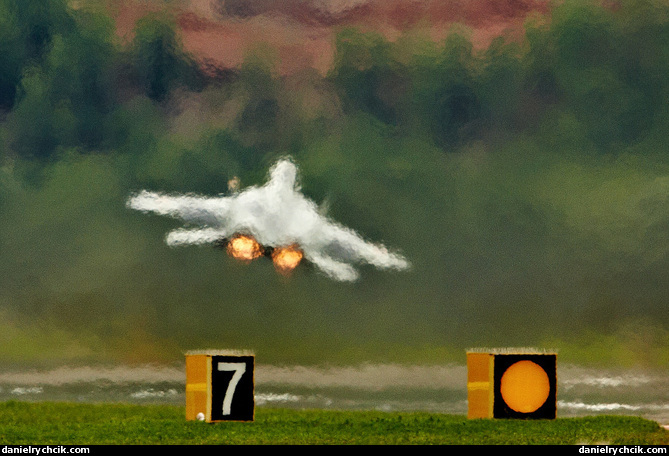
{"x":276,"y":214}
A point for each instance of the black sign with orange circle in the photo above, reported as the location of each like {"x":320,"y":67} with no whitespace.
{"x":525,"y":386}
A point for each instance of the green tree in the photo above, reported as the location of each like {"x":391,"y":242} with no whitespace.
{"x":159,"y":60}
{"x":27,"y":28}
{"x":63,"y":97}
{"x":446,"y":92}
{"x":368,"y":76}
{"x":606,"y":67}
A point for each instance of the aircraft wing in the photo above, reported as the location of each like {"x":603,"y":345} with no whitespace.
{"x":190,"y":208}
{"x":333,"y":268}
{"x":201,"y":236}
{"x":346,"y":245}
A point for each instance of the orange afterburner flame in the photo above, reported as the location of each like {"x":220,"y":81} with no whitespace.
{"x":286,"y":258}
{"x":244,"y":248}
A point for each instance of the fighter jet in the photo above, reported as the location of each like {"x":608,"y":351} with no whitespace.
{"x":277,"y":215}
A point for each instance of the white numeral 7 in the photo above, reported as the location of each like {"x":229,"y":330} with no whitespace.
{"x":239,"y":369}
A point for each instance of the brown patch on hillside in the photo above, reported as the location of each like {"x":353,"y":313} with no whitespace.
{"x":302,"y":31}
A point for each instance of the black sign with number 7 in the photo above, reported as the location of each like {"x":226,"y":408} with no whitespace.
{"x":232,"y":383}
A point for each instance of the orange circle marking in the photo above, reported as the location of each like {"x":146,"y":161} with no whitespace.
{"x":525,"y":386}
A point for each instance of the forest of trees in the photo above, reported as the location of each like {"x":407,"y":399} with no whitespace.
{"x":606,"y":68}
{"x":528,"y":182}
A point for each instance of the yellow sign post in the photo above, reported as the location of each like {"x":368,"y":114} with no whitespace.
{"x":511,"y":383}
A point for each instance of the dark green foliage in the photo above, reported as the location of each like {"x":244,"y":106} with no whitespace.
{"x":64,"y":100}
{"x":605,"y":72}
{"x":368,"y":76}
{"x":258,"y":121}
{"x":451,"y":101}
{"x":603,"y":66}
{"x":27,"y":30}
{"x":159,"y":60}
{"x":64,"y":76}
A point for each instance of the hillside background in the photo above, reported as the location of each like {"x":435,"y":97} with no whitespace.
{"x":517,"y":152}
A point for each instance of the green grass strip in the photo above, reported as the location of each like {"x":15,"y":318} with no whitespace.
{"x":42,"y":423}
